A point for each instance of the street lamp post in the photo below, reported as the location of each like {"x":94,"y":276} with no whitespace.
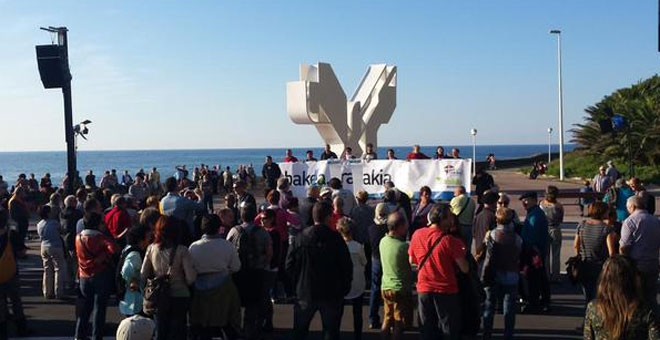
{"x":549,"y":144}
{"x":473,"y":132}
{"x":561,"y":107}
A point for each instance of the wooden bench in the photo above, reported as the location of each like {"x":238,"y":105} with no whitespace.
{"x":577,"y":196}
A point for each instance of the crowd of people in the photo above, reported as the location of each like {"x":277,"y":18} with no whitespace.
{"x":183,"y":266}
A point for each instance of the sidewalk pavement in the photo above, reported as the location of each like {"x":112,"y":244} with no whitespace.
{"x":56,"y":319}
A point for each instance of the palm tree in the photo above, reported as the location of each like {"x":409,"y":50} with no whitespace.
{"x":640,"y":106}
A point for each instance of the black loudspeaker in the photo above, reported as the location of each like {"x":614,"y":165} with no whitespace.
{"x":605,"y":126}
{"x":53,"y":68}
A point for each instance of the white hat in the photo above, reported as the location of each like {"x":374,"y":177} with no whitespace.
{"x":325,"y":191}
{"x":136,"y":327}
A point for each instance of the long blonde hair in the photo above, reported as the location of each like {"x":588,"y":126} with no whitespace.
{"x":618,"y":297}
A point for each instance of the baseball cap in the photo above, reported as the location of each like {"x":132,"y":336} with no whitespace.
{"x":136,"y":327}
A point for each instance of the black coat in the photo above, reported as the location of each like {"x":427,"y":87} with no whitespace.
{"x":320,"y":265}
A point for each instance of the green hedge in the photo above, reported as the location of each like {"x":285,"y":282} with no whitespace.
{"x":584,"y":165}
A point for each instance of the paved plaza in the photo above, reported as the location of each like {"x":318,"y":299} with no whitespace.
{"x":55,"y":319}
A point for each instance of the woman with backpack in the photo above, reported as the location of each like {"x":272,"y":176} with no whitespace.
{"x":129,"y":282}
{"x":500,"y":274}
{"x":168,"y":271}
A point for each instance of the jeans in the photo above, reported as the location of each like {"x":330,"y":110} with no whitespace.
{"x":172,"y":322}
{"x":331,"y":313}
{"x":55,"y":272}
{"x":375,"y":299}
{"x":439,"y":316}
{"x":94,"y":292}
{"x":508,"y":293}
{"x":356,"y":303}
{"x":553,"y":261}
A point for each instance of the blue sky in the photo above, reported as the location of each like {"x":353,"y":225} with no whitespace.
{"x":212,"y":74}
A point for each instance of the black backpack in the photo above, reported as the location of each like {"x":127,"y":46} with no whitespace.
{"x":246,"y":246}
{"x":120,"y":283}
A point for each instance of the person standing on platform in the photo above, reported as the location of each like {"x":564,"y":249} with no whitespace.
{"x":370,"y":153}
{"x":328,"y":154}
{"x":290,"y":158}
{"x":271,"y":172}
{"x":416,"y":153}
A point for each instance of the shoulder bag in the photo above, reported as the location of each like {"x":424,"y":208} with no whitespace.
{"x":157,"y":290}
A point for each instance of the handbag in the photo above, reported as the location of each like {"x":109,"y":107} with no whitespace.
{"x":488,"y":274}
{"x":575,"y":264}
{"x":157,"y":290}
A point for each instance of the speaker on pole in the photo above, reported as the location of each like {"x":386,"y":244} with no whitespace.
{"x":53,"y":68}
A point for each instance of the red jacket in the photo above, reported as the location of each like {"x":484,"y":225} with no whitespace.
{"x":95,"y":252}
{"x":419,"y":155}
{"x":117,"y":220}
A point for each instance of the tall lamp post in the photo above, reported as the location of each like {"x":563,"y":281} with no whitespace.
{"x":561,"y":107}
{"x":473,"y":132}
{"x":549,"y":144}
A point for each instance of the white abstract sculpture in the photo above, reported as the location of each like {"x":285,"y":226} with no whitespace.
{"x":319,"y":99}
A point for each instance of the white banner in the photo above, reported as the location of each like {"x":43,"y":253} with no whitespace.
{"x":442,"y":176}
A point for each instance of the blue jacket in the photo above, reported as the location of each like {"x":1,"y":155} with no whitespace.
{"x":535,"y":230}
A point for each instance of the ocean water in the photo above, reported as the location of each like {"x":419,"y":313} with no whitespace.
{"x":54,"y":162}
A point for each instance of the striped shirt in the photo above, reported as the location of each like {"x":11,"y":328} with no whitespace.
{"x":593,"y":239}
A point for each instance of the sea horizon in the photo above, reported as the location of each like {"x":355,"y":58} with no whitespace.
{"x":13,"y":163}
{"x":571,"y":146}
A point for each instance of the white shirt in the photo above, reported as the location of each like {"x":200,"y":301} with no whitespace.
{"x":214,"y":255}
{"x":359,"y":261}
